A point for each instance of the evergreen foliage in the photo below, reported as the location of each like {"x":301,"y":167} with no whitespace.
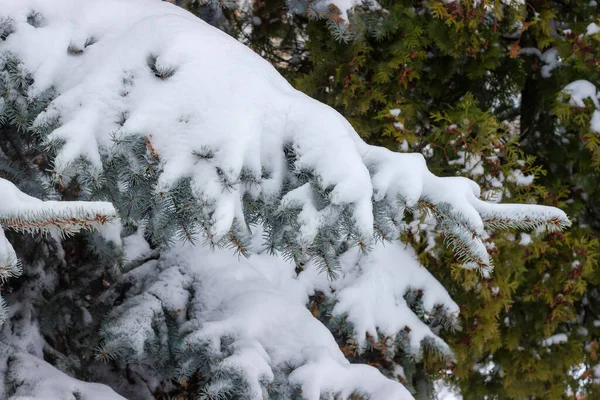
{"x":21,"y":158}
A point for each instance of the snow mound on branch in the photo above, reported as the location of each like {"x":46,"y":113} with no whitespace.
{"x":581,"y":90}
{"x":335,"y":9}
{"x":271,"y":328}
{"x":555,"y":339}
{"x":260,"y":303}
{"x":29,"y":377}
{"x":595,"y":122}
{"x":370,"y":293}
{"x":592,"y":29}
{"x":216,"y":113}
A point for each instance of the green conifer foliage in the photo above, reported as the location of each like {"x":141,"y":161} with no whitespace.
{"x":21,"y":158}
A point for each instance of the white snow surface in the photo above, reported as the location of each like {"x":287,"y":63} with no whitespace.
{"x":555,"y":339}
{"x":40,"y":380}
{"x":550,"y":59}
{"x":595,"y":122}
{"x":371,"y":290}
{"x":520,"y":178}
{"x":444,"y":392}
{"x":223,"y":97}
{"x":592,"y":29}
{"x":581,"y":90}
{"x":261,"y":303}
{"x":473,"y":165}
{"x":525,"y":239}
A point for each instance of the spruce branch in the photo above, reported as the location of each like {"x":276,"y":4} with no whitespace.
{"x":10,"y":267}
{"x":24,"y":213}
{"x":68,"y":220}
{"x":522,"y":217}
{"x":459,"y":235}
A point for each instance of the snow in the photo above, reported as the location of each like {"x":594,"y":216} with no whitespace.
{"x":17,"y":207}
{"x":111,"y":231}
{"x":321,"y":374}
{"x":260,"y":302}
{"x":135,"y":247}
{"x":473,"y":165}
{"x":444,"y":392}
{"x":550,"y":59}
{"x":427,"y":151}
{"x":91,"y":84}
{"x":399,"y":126}
{"x":371,"y":289}
{"x":404,"y":145}
{"x":555,"y":339}
{"x":233,"y":103}
{"x":595,"y":122}
{"x":592,"y":29}
{"x":395,"y":112}
{"x":525,"y":239}
{"x":29,"y":377}
{"x":517,"y":176}
{"x":531,"y":51}
{"x":581,"y":90}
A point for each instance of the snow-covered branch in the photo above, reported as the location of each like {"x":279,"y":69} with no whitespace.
{"x":145,"y":73}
